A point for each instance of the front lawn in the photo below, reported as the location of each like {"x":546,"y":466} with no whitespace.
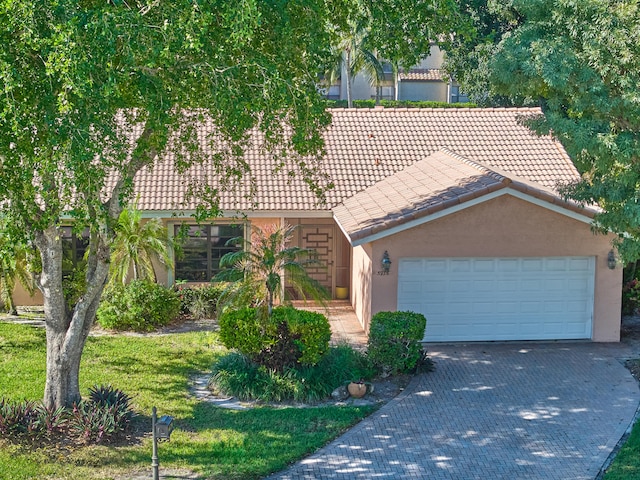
{"x":155,"y":370}
{"x":626,"y":465}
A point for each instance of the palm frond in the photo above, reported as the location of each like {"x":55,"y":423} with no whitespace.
{"x":136,"y":246}
{"x":263,"y":267}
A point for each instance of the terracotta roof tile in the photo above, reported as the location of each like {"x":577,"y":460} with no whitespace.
{"x":444,"y":180}
{"x":365,"y":146}
{"x":423,"y":74}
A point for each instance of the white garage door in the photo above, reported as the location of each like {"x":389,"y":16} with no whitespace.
{"x":466,"y":299}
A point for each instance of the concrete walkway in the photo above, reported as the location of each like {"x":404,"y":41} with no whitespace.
{"x":492,"y":411}
{"x":345,"y":327}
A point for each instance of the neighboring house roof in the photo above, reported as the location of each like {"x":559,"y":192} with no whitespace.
{"x":365,"y":146}
{"x":423,"y":75}
{"x":441,"y":182}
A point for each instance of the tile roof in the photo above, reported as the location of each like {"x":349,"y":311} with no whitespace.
{"x":365,"y":146}
{"x":440,"y":181}
{"x":423,"y":75}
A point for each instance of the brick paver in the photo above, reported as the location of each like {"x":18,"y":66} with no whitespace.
{"x":492,"y":411}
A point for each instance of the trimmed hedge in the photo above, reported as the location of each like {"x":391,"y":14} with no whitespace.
{"x":398,"y":104}
{"x":141,"y":306}
{"x":394,"y":340}
{"x":252,"y":332}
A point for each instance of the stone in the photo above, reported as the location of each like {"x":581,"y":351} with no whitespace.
{"x":340,"y":393}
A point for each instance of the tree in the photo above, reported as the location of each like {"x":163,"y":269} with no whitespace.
{"x":469,"y":50}
{"x":366,"y":33}
{"x":93,"y":91}
{"x":580,"y":60}
{"x":136,"y":245}
{"x":353,"y":53}
{"x":260,"y":269}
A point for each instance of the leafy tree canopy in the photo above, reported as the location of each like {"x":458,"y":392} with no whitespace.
{"x":398,"y":31}
{"x":471,"y":48}
{"x":94,"y":90}
{"x":581,"y":61}
{"x":73,"y":72}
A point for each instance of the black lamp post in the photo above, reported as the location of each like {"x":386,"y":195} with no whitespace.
{"x":161,"y":429}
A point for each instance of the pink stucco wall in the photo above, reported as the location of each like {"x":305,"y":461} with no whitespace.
{"x":361,"y":268}
{"x":503,"y":227}
{"x":22,"y":298}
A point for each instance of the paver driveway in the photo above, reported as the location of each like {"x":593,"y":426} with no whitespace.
{"x":492,"y":411}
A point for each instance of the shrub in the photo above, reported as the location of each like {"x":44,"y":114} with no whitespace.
{"x":261,"y":337}
{"x":311,"y":329}
{"x":237,"y":375}
{"x":199,"y":302}
{"x":284,"y":352}
{"x":94,"y":422}
{"x":18,"y":418}
{"x":394,"y":341}
{"x":106,"y":413}
{"x":247,"y":330}
{"x":74,"y":284}
{"x":398,"y":104}
{"x":141,"y":306}
{"x":630,"y":297}
{"x":107,"y":396}
{"x":342,"y":363}
{"x":27,"y":420}
{"x":52,"y":422}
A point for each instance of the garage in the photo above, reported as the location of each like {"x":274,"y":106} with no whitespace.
{"x":482,"y":299}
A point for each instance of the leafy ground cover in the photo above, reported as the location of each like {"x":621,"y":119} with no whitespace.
{"x":155,"y":370}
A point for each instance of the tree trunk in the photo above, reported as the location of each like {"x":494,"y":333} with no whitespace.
{"x":67,"y":328}
{"x":10,"y":304}
{"x":269,"y":301}
{"x":349,"y":79}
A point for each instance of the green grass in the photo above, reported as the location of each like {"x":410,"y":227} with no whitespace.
{"x":626,"y":465}
{"x":216,"y":443}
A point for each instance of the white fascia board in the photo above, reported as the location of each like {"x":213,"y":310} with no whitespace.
{"x":476,"y":201}
{"x":344,"y":232}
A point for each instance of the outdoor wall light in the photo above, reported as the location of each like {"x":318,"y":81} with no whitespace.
{"x":386,"y":263}
{"x":612,"y":261}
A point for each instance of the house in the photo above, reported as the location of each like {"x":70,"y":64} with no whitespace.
{"x":426,"y":81}
{"x":463,"y":203}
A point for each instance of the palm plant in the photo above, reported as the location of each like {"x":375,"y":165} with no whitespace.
{"x":259,"y":271}
{"x":135,"y":247}
{"x":353,"y":51}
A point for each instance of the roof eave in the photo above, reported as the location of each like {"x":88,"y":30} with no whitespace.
{"x":515,"y":189}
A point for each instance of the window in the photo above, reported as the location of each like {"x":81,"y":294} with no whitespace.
{"x":202,"y":250}
{"x":386,"y":93}
{"x":74,"y":247}
{"x":457,"y":96}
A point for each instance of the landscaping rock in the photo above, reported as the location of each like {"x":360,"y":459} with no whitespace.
{"x":340,"y":394}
